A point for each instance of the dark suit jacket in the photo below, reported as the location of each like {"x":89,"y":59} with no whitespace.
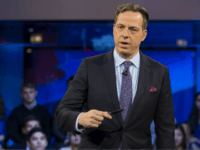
{"x":59,"y":134}
{"x":94,"y":86}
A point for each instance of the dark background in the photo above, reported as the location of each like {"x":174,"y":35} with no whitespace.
{"x":173,"y":39}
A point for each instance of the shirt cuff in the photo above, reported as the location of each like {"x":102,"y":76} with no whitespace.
{"x":76,"y":125}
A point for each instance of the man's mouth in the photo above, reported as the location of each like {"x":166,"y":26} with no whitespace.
{"x":124,"y":44}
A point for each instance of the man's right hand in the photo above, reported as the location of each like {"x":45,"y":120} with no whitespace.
{"x":93,"y":118}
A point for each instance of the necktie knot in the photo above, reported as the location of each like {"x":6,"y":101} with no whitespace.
{"x":127,"y":64}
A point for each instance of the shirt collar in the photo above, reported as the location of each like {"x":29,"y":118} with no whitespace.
{"x":30,"y":107}
{"x":119,"y":60}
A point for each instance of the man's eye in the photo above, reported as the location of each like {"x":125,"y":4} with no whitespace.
{"x":42,"y":138}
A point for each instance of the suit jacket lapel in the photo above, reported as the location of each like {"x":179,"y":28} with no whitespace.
{"x":142,"y":82}
{"x":109,"y":71}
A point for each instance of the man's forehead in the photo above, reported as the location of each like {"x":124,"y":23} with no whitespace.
{"x":28,"y":89}
{"x":38,"y":135}
{"x":130,"y":15}
{"x":32,"y":122}
{"x":130,"y":20}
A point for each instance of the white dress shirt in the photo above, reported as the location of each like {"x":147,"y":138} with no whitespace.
{"x":133,"y":69}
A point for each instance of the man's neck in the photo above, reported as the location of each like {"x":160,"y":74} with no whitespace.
{"x":30,"y":105}
{"x":128,"y":57}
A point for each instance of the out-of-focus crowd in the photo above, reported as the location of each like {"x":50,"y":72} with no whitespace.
{"x":31,"y":127}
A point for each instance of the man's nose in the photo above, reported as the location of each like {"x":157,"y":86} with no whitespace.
{"x":39,"y":142}
{"x":125,"y":33}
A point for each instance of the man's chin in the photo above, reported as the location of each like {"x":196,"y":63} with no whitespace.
{"x":29,"y":101}
{"x":125,"y":54}
{"x":40,"y":148}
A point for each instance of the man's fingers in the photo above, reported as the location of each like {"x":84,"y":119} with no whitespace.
{"x":96,"y":122}
{"x":103,"y":114}
{"x":97,"y":117}
{"x":93,"y":126}
{"x":93,"y":118}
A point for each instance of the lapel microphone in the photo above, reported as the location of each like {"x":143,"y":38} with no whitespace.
{"x":125,"y":73}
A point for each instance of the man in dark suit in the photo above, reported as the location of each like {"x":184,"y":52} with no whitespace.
{"x":61,"y":136}
{"x":123,"y":78}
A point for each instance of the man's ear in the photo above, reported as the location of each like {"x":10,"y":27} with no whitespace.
{"x":113,"y":28}
{"x":144,"y":35}
{"x":23,"y":130}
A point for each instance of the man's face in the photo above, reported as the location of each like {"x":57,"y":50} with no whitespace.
{"x":31,"y":124}
{"x":29,"y":95}
{"x":75,"y":140}
{"x":37,"y":141}
{"x":128,"y":28}
{"x":178,"y":137}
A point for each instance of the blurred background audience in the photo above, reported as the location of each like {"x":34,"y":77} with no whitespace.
{"x":29,"y":107}
{"x":74,"y":141}
{"x":192,"y":127}
{"x":4,"y":113}
{"x":180,"y":137}
{"x":37,"y":139}
{"x":30,"y":122}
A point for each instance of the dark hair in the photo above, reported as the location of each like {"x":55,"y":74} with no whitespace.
{"x":134,"y":8}
{"x":196,"y":96}
{"x":34,"y":130}
{"x":30,"y":118}
{"x":70,"y":79}
{"x":184,"y":143}
{"x":194,"y":116}
{"x":29,"y":85}
{"x":2,"y":109}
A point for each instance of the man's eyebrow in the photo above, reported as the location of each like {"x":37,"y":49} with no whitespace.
{"x":129,"y":27}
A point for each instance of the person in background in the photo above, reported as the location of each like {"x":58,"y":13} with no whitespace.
{"x":30,"y":122}
{"x":180,"y":137}
{"x":74,"y":141}
{"x":4,"y":113}
{"x":37,"y":139}
{"x":29,"y":107}
{"x":61,"y":136}
{"x":192,"y":127}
